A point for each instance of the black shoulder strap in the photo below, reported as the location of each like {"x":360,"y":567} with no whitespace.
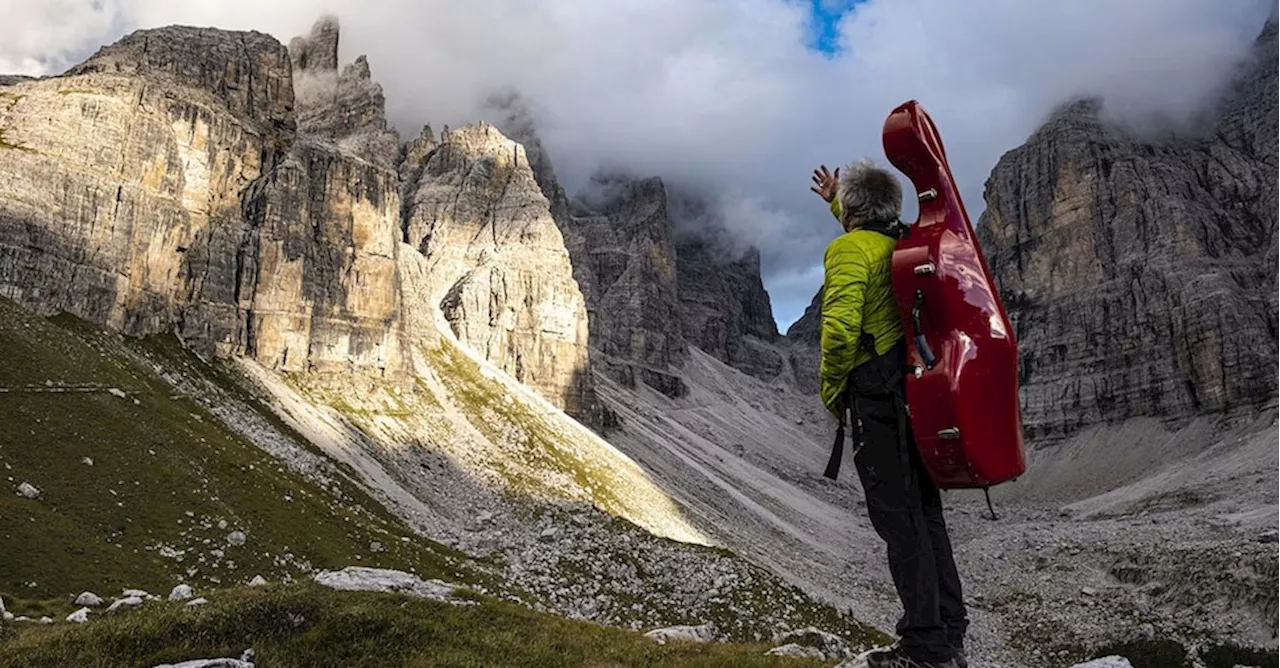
{"x":894,"y":229}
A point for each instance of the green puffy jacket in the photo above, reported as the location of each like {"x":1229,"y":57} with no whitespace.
{"x":856,"y":297}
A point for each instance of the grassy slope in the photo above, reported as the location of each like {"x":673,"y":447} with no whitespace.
{"x":306,"y":625}
{"x":157,"y":456}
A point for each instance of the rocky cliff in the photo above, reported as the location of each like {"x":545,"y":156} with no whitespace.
{"x":654,"y":270}
{"x":620,"y":238}
{"x":175,"y":182}
{"x":1140,"y":271}
{"x":498,"y":265}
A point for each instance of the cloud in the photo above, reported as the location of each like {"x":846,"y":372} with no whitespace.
{"x":728,"y":94}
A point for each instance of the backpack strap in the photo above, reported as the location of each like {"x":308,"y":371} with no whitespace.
{"x":850,"y":411}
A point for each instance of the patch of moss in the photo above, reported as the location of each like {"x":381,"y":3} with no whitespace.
{"x":165,"y":472}
{"x":307,"y":625}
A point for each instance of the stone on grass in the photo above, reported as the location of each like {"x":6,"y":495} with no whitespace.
{"x":796,"y":652}
{"x":209,"y":663}
{"x":360,"y":578}
{"x":700,"y":633}
{"x":830,"y":645}
{"x":46,"y":620}
{"x":181,"y":592}
{"x":236,"y":538}
{"x":28,"y":491}
{"x":1106,"y":662}
{"x":89,"y":599}
{"x":126,"y":602}
{"x":197,"y":602}
{"x":258,"y":581}
{"x":79,"y":616}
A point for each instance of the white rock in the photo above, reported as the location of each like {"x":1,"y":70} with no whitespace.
{"x":8,"y":616}
{"x":22,"y":618}
{"x":796,"y":652}
{"x":548,"y":535}
{"x":28,"y":490}
{"x":181,"y":592}
{"x":79,"y":616}
{"x":700,"y":633}
{"x":128,"y":601}
{"x":208,"y":663}
{"x":222,"y":524}
{"x":89,"y":598}
{"x":375,"y":546}
{"x":1106,"y":662}
{"x":359,"y":578}
{"x":830,"y":645}
{"x":197,"y":601}
{"x":2,"y":609}
{"x":46,"y":620}
{"x":135,"y":592}
{"x":236,"y":538}
{"x":88,"y":461}
{"x":116,"y":392}
{"x":258,"y":581}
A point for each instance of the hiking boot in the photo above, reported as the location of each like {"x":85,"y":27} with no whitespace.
{"x":894,"y":657}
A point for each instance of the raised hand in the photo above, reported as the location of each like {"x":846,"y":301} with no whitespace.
{"x":825,"y":182}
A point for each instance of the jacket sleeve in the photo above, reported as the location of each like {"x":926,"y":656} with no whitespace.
{"x":835,"y":208}
{"x":844,"y":285}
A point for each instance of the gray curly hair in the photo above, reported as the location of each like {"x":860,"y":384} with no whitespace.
{"x":868,"y":194}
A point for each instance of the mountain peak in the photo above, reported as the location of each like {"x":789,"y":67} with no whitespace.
{"x":318,"y":50}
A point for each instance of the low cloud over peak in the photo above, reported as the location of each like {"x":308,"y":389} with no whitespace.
{"x":732,"y":95}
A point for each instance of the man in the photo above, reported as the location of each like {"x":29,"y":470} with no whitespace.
{"x":863,"y":359}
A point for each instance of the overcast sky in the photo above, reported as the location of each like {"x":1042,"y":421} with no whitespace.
{"x":742,"y":96}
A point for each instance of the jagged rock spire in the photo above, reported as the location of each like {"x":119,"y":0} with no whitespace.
{"x":318,"y":51}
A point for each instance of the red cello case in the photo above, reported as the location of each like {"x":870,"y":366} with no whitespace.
{"x":962,"y":381}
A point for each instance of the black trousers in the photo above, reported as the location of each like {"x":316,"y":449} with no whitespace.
{"x":906,"y":510}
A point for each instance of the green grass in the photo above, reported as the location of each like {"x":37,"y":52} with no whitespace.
{"x":486,"y":405}
{"x":307,"y":625}
{"x":165,"y":472}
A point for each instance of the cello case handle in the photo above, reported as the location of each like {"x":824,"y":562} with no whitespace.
{"x":926,"y":353}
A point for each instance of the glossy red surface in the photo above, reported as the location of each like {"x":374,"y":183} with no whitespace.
{"x":973,"y":386}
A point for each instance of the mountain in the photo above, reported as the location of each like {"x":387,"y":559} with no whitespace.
{"x":1139,"y":269}
{"x":337,"y":338}
{"x":406,"y":313}
{"x":658,"y":270}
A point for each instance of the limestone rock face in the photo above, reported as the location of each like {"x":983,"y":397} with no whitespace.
{"x":327,"y":289}
{"x":347,"y":109}
{"x":1140,"y":273}
{"x":247,"y":71}
{"x":620,"y":239}
{"x":724,"y":308}
{"x":121,"y":183}
{"x":497,"y":262}
{"x":161,"y":186}
{"x":808,"y":328}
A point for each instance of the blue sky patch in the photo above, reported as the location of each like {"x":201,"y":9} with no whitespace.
{"x":824,"y":35}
